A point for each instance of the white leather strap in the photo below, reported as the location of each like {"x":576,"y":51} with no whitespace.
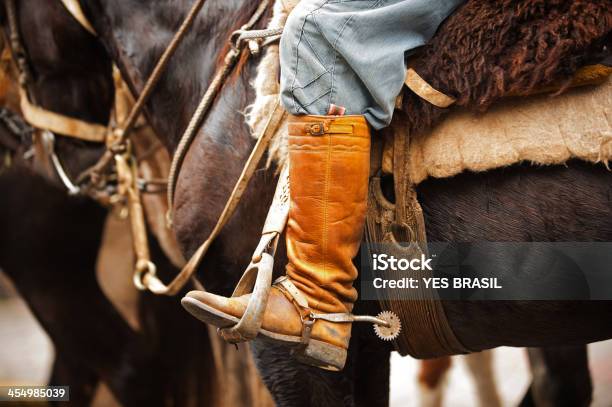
{"x":425,"y":91}
{"x":279,"y":210}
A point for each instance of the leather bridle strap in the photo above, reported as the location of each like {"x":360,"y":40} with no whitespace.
{"x":38,"y":116}
{"x":149,"y":280}
{"x":254,"y":39}
{"x":57,"y":123}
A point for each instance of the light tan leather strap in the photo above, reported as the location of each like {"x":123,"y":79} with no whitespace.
{"x":309,"y":317}
{"x":425,"y":91}
{"x":300,"y":302}
{"x":74,"y":7}
{"x":274,"y":121}
{"x":127,"y":174}
{"x":57,"y":123}
{"x":290,"y":288}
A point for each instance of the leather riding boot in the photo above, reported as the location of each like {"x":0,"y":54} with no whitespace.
{"x":307,"y":308}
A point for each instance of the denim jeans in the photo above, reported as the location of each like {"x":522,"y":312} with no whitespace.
{"x":351,"y":53}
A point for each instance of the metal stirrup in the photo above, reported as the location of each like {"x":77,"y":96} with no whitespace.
{"x":257,"y":278}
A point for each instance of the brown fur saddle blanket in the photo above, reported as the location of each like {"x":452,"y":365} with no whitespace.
{"x":490,"y":49}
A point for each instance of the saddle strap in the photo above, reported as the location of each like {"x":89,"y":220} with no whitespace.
{"x":425,"y":91}
{"x":426,"y":332}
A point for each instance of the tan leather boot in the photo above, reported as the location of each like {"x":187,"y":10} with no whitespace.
{"x":328,"y":170}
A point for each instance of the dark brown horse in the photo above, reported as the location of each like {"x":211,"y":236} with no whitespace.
{"x":470,"y":207}
{"x":135,"y":33}
{"x":50,"y":241}
{"x":456,"y":209}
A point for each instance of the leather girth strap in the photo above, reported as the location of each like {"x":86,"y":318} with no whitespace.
{"x":426,"y":332}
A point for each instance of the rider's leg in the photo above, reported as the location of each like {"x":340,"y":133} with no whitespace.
{"x":352,"y":53}
{"x":333,"y":53}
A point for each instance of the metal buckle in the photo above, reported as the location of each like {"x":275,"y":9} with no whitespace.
{"x":316,"y":129}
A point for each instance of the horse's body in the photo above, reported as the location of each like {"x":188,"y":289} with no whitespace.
{"x":501,"y":205}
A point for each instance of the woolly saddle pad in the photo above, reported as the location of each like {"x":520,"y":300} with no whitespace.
{"x":542,"y":130}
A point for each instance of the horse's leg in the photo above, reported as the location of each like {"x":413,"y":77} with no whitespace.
{"x":434,"y":372}
{"x":82,"y":380}
{"x":182,"y":358}
{"x":363,"y":382}
{"x":371,"y":377}
{"x":49,"y":250}
{"x":432,"y":380}
{"x":371,"y":365}
{"x":561,"y":377}
{"x":480,"y":365}
{"x":293,"y":384}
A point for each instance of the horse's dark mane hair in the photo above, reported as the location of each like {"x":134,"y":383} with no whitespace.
{"x":489,"y":49}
